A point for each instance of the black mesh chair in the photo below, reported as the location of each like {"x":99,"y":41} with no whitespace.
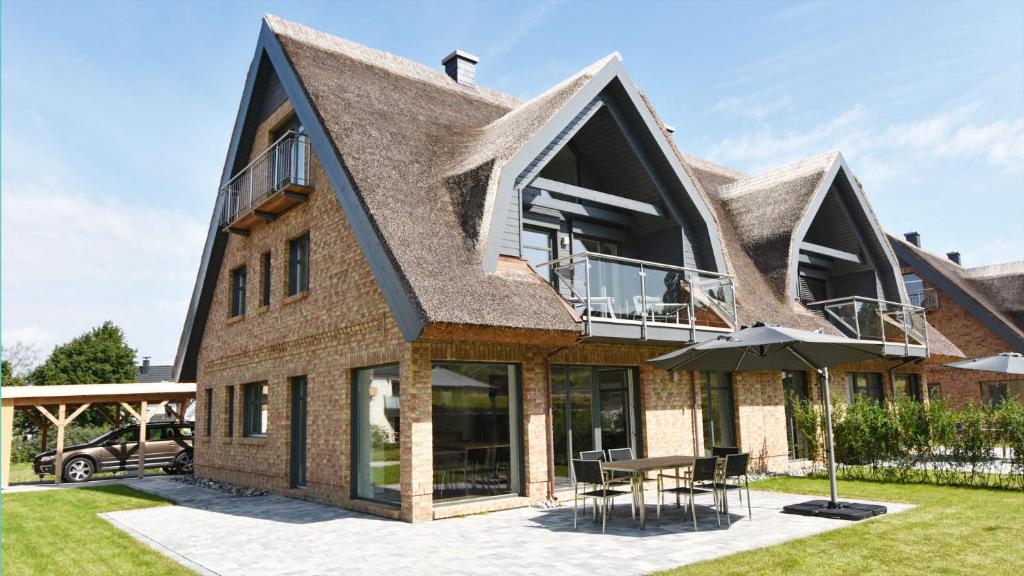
{"x":698,"y":480}
{"x":590,"y":472}
{"x":619,"y":478}
{"x":592,"y":455}
{"x":735,"y":467}
{"x":723,"y":451}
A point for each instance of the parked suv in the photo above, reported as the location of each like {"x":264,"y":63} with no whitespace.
{"x":168,"y":446}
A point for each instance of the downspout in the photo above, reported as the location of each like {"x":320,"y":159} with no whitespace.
{"x":549,"y":429}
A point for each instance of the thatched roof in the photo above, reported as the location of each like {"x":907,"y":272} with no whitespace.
{"x":997,"y":291}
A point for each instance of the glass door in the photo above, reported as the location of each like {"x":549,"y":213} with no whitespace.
{"x":794,"y":386}
{"x":593,"y":408}
{"x":717,"y":410}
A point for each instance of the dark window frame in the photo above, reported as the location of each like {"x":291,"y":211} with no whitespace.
{"x":913,"y":380}
{"x":265,"y":278}
{"x":229,"y":408}
{"x":357,"y":434}
{"x":256,"y":397}
{"x":856,"y":382}
{"x":238,"y":282}
{"x":298,"y":264}
{"x":208,"y":426}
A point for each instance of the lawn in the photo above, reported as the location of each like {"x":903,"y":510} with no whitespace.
{"x":57,"y":532}
{"x":952,"y":531}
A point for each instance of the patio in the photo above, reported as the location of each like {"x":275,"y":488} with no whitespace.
{"x":214,"y":533}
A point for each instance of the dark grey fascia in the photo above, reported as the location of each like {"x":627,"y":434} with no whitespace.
{"x":400,"y":302}
{"x":968,"y":302}
{"x":839,"y":167}
{"x":514,"y":168}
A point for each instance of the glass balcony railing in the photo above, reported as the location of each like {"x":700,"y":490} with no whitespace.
{"x":606,"y":288}
{"x":872,"y":319}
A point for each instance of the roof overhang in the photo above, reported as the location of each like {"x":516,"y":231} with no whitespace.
{"x":95,"y":393}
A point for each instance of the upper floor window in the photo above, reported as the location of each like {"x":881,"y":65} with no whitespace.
{"x":298,"y":265}
{"x":238,"y":291}
{"x":538,"y":247}
{"x":265,"y":279}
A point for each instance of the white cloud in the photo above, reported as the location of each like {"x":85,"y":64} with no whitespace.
{"x":72,"y":260}
{"x":753,"y":109}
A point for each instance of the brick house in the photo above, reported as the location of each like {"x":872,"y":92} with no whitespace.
{"x":420,"y":297}
{"x":980,"y":309}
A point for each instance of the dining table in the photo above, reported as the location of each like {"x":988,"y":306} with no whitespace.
{"x":638,"y":469}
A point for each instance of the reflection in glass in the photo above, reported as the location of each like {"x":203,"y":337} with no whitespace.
{"x":376,"y":414}
{"x":476,"y":433}
{"x":717,"y":410}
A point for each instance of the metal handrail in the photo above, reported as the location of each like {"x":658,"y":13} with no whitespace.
{"x":905,"y":312}
{"x":863,"y":298}
{"x":285,"y":161}
{"x":600,"y":256}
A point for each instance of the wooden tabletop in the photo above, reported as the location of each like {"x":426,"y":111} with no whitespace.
{"x":649,"y":464}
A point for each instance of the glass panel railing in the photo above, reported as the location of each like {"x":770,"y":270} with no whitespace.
{"x":616,"y":289}
{"x":873,"y":319}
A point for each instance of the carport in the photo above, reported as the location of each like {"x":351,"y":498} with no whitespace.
{"x":55,"y":407}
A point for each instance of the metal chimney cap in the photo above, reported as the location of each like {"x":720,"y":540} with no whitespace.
{"x":460,"y":54}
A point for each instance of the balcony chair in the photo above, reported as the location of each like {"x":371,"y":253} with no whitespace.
{"x":591,"y":472}
{"x":698,"y":480}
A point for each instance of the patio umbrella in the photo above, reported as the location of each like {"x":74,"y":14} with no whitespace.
{"x":762,"y":347}
{"x":1007,"y":362}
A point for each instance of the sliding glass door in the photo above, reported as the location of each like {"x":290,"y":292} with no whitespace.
{"x":717,"y":409}
{"x":593,"y":408}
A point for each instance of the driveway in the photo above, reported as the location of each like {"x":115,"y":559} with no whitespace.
{"x":215,"y":533}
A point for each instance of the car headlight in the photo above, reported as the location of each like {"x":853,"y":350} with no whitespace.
{"x":49,"y":458}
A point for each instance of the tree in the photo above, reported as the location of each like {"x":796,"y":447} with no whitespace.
{"x":8,"y":378}
{"x":97,"y":357}
{"x":21,"y":358}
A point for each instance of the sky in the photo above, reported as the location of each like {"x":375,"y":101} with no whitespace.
{"x":115,"y":119}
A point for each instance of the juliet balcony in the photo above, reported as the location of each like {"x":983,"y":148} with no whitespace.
{"x":276,"y":181}
{"x":624,"y":298}
{"x":902,"y":328}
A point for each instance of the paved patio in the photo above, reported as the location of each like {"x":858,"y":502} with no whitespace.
{"x":215,"y":533}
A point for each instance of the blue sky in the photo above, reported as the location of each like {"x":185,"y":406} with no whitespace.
{"x":116,"y":118}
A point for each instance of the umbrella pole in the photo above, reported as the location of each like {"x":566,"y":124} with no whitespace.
{"x":830,"y":449}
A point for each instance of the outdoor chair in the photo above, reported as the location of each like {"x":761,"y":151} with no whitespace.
{"x":590,"y":472}
{"x":592,"y":455}
{"x":735,"y":467}
{"x":694,"y":482}
{"x":621,"y":478}
{"x":723,"y":451}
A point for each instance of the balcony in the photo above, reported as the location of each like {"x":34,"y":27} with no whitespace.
{"x":623,"y":298}
{"x":903,"y":328}
{"x":926,"y":298}
{"x":276,"y":181}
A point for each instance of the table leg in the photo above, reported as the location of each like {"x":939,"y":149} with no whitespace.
{"x":639,"y":481}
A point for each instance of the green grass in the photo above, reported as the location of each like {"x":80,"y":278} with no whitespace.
{"x":952,"y":531}
{"x":58,"y":532}
{"x":22,"y":472}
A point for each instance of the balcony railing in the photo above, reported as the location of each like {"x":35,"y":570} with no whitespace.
{"x":613,"y":289}
{"x":926,"y":298}
{"x":871,"y":319}
{"x":283,"y":168}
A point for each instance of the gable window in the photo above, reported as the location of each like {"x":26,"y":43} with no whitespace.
{"x":238,"y":291}
{"x":907,"y":385}
{"x":866,"y":384}
{"x":298,"y":265}
{"x":229,"y":409}
{"x":915,"y":289}
{"x":539,"y":247}
{"x":265,"y":279}
{"x":255,"y":414}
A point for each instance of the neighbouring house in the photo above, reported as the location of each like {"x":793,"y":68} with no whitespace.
{"x":420,"y":297}
{"x":980,"y":309}
{"x":149,"y":372}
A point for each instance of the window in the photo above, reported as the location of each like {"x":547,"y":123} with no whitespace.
{"x":934,"y":391}
{"x":915,"y":289}
{"x":867,"y":384}
{"x":376,"y":425}
{"x":717,"y":410}
{"x":238,"y":291}
{"x":209,"y":411}
{"x":229,"y":408}
{"x":159,"y":433}
{"x":907,"y":385}
{"x":476,"y":428}
{"x":298,"y":265}
{"x":185,"y":431}
{"x":265,"y":279}
{"x":255,"y":416}
{"x":538,"y":247}
{"x":794,"y":386}
{"x":995,"y":392}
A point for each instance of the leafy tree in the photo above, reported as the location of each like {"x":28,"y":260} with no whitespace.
{"x":8,"y":378}
{"x":97,"y":357}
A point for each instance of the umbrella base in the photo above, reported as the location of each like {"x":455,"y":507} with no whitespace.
{"x":842,"y":511}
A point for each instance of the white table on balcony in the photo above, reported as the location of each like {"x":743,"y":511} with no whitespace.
{"x":656,"y":307}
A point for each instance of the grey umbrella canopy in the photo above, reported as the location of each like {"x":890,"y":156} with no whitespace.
{"x":763,"y":347}
{"x":1007,"y":362}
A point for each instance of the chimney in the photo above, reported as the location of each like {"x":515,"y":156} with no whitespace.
{"x":914,"y":238}
{"x":461,"y":66}
{"x":954,"y":257}
{"x":145,"y":365}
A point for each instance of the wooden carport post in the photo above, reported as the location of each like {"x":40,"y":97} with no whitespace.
{"x":6,"y":429}
{"x":143,"y":407}
{"x":61,"y":421}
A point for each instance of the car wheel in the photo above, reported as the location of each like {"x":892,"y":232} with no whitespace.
{"x":183,"y":463}
{"x":78,"y":470}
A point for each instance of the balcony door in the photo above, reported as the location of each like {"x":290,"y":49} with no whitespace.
{"x":718,"y":410}
{"x":593,"y":408}
{"x":607,"y":281}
